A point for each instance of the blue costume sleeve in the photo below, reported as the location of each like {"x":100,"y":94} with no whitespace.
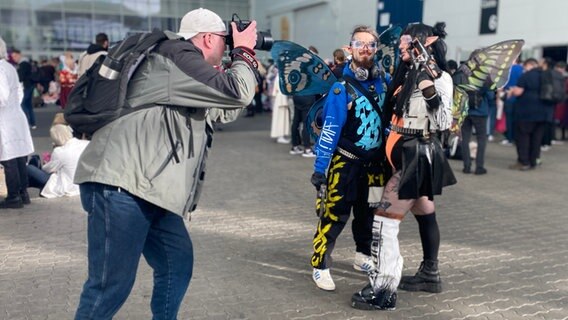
{"x":334,"y":115}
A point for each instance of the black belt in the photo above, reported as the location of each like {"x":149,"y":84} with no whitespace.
{"x":409,"y":131}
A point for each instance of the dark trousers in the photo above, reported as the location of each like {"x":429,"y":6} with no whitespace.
{"x":27,"y":105}
{"x":528,"y":138}
{"x":480,"y":125}
{"x":549,"y":134}
{"x":510,"y":124}
{"x":339,"y":202}
{"x":300,"y":117}
{"x":16,"y":176}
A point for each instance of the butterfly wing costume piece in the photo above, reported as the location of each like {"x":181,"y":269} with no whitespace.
{"x":488,"y":67}
{"x":301,"y":72}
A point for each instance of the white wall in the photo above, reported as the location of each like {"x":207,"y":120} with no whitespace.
{"x":539,"y":22}
{"x":325,"y":24}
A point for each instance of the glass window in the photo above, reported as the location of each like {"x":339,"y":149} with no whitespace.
{"x":77,"y":30}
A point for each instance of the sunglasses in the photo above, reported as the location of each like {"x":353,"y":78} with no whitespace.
{"x":358,"y":44}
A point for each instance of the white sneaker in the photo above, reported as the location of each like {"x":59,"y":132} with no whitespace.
{"x":283,"y":140}
{"x":363,"y":262}
{"x":557,"y":142}
{"x":296,"y":150}
{"x":308,"y":153}
{"x":323,"y":279}
{"x":490,"y":138}
{"x":506,"y":143}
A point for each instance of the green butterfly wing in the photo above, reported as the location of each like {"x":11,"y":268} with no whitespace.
{"x":491,"y":66}
{"x":488,"y":67}
{"x":459,"y":109}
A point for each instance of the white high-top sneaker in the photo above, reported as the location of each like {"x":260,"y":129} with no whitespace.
{"x":323,"y":279}
{"x":363,"y":262}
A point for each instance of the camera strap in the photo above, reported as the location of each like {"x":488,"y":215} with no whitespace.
{"x":245,"y":54}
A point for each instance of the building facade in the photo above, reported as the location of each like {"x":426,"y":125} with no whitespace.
{"x":45,"y":28}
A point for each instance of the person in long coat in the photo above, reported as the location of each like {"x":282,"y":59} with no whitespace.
{"x":15,"y":137}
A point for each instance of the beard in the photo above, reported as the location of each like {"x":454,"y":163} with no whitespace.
{"x":365,"y":61}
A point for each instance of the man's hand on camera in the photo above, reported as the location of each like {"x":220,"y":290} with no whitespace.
{"x":318,"y":179}
{"x":245,"y":38}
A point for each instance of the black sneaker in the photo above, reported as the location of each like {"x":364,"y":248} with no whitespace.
{"x":479,"y":171}
{"x":366,"y":299}
{"x":466,"y":170}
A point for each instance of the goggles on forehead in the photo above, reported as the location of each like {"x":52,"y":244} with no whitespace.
{"x":358,"y":44}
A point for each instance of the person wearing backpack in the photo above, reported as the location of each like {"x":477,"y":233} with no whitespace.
{"x":553,"y":87}
{"x":142,"y":173}
{"x":531,"y":113}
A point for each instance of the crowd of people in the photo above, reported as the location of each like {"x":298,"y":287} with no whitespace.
{"x":518,"y":113}
{"x":383,"y":155}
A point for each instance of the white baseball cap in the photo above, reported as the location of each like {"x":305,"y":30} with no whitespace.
{"x":201,"y":20}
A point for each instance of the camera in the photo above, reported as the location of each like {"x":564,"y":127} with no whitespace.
{"x":264,"y":39}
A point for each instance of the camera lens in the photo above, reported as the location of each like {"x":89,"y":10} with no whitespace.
{"x":264,"y":39}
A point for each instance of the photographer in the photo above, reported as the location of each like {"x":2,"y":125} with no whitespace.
{"x":138,"y":175}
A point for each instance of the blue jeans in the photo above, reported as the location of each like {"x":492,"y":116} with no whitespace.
{"x":27,"y":105}
{"x":122,"y":227}
{"x":37,"y":178}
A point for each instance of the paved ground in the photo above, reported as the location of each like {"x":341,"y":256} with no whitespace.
{"x":503,"y":254}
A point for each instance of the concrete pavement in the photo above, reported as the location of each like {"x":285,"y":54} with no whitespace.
{"x":503,"y":253}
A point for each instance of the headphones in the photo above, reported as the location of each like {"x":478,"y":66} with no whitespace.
{"x":362,"y":74}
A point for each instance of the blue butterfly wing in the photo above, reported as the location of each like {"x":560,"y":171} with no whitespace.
{"x":314,"y":119}
{"x":388,"y":52}
{"x":300,"y":72}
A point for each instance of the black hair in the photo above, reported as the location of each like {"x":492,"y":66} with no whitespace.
{"x":101,"y":38}
{"x":452,"y":65}
{"x":405,"y":75}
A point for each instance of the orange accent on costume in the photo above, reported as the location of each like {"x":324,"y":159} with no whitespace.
{"x":393,"y":138}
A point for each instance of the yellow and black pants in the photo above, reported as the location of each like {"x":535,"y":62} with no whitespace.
{"x":348,"y":184}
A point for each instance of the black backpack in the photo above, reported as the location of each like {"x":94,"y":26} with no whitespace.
{"x":552,"y":90}
{"x":99,"y":96}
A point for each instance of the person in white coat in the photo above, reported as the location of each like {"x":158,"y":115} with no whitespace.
{"x":280,"y":125}
{"x":15,"y":137}
{"x":55,"y":178}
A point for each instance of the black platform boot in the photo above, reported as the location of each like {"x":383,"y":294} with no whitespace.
{"x":366,"y":299}
{"x":25,"y":196}
{"x":12,"y":202}
{"x":426,"y":279}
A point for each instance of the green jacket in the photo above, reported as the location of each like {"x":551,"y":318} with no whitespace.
{"x":137,"y":153}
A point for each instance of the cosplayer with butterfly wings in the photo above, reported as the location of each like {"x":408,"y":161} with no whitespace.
{"x":420,"y":97}
{"x":350,"y":160}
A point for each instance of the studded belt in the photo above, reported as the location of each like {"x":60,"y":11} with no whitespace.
{"x":347,"y":153}
{"x":408,"y":131}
